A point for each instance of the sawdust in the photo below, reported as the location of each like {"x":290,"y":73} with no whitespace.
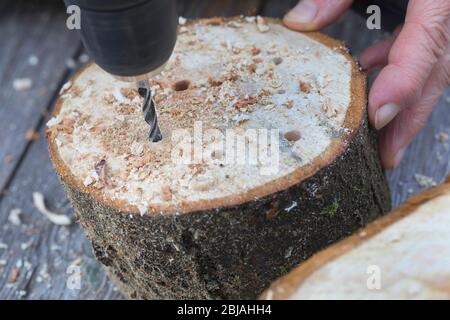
{"x":225,"y":75}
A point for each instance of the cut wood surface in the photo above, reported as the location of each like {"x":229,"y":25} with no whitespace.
{"x":37,"y":244}
{"x":231,"y":226}
{"x":404,"y":255}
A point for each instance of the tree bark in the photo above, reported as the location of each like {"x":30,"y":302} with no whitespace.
{"x":235,"y":253}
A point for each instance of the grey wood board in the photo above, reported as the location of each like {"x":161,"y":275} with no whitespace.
{"x":29,"y":29}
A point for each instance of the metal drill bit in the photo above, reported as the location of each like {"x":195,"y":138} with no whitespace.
{"x":148,"y":107}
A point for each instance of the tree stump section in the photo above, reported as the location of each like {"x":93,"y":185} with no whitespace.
{"x":287,"y":162}
{"x":403,"y":255}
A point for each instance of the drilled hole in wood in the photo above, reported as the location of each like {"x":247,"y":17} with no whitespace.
{"x":292,"y":136}
{"x":181,"y":85}
{"x":217,"y":155}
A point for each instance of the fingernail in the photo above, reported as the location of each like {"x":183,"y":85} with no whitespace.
{"x":304,"y":12}
{"x":399,"y":156}
{"x":385,"y":114}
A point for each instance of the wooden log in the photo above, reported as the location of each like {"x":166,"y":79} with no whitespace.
{"x":214,"y":227}
{"x":404,"y":255}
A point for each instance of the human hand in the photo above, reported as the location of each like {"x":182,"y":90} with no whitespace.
{"x":415,"y":63}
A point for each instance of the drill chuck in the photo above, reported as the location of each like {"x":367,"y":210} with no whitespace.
{"x":128,"y":38}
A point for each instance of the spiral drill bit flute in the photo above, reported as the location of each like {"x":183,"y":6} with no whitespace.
{"x":132,"y":40}
{"x":149,"y":110}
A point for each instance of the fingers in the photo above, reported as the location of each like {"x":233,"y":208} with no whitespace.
{"x":311,"y":15}
{"x":377,"y":55}
{"x":414,"y":53}
{"x":396,"y":136}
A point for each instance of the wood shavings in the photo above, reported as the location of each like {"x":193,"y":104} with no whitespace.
{"x":22,"y":84}
{"x":229,"y":45}
{"x":245,"y":103}
{"x":443,"y":137}
{"x":71,"y":64}
{"x":65,"y":126}
{"x":276,"y":83}
{"x":100,"y":169}
{"x":304,"y":87}
{"x":14,"y":275}
{"x":117,"y":93}
{"x":241,"y":118}
{"x":166,"y":193}
{"x":88,"y":181}
{"x":131,"y":93}
{"x":292,"y":206}
{"x":14,"y":216}
{"x":252,"y":68}
{"x":215,"y":82}
{"x":84,"y":58}
{"x":33,"y":60}
{"x":143,"y":209}
{"x":31,"y":135}
{"x":288,"y":252}
{"x":65,"y":87}
{"x":54,"y":121}
{"x":136,"y":148}
{"x":424,"y":181}
{"x":235,"y":24}
{"x":39,"y":203}
{"x":261,"y":24}
{"x":255,"y":51}
{"x":216,"y":21}
{"x":289,"y":104}
{"x":182,"y":21}
{"x":257,"y":60}
{"x":25,"y":245}
{"x":251,"y":19}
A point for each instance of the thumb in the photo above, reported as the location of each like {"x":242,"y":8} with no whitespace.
{"x":311,"y":15}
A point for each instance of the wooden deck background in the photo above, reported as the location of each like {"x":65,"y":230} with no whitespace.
{"x":35,"y":255}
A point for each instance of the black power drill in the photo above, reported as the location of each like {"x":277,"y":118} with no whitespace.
{"x":132,"y":40}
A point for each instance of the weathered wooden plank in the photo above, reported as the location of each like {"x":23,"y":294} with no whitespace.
{"x":41,"y":250}
{"x":29,"y":29}
{"x":426,"y":156}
